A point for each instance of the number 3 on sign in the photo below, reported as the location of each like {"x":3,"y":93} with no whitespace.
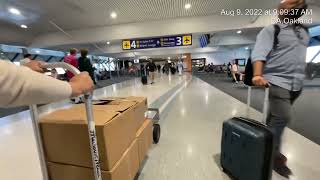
{"x":179,"y":41}
{"x":133,"y":44}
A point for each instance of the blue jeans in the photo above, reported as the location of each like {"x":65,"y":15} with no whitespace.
{"x":280,"y":112}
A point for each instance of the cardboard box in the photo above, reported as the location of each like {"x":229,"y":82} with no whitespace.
{"x":66,"y":140}
{"x":139,"y":108}
{"x":125,"y":169}
{"x":145,"y":140}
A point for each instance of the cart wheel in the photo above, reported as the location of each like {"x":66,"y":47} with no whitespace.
{"x":156,"y":133}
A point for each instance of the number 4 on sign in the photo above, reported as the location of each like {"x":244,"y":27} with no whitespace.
{"x":133,"y":44}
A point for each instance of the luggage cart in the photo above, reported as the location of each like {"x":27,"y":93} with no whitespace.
{"x":91,"y":128}
{"x":154,"y":115}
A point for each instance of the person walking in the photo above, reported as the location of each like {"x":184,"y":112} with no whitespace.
{"x":166,"y":68}
{"x":85,"y":64}
{"x":162,"y":67}
{"x":278,"y":60}
{"x":234,"y":71}
{"x":229,"y":69}
{"x":151,"y":67}
{"x":180,"y":67}
{"x":72,"y":60}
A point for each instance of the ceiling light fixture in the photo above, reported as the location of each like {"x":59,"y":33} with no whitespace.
{"x":247,"y":48}
{"x":239,"y":32}
{"x":108,"y":42}
{"x":37,"y":51}
{"x":113,"y":15}
{"x":187,"y":6}
{"x":14,"y":11}
{"x":24,"y":26}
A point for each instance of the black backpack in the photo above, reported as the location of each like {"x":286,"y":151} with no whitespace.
{"x":249,"y":68}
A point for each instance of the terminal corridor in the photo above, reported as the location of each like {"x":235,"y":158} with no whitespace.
{"x":160,"y":89}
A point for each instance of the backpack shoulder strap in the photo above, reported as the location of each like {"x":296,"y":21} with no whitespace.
{"x":303,"y":27}
{"x":277,"y":30}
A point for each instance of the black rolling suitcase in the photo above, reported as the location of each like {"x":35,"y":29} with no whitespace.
{"x":247,"y":146}
{"x":144,"y":80}
{"x":144,"y":77}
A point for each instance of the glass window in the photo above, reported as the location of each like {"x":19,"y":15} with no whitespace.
{"x":3,"y":56}
{"x":311,"y":52}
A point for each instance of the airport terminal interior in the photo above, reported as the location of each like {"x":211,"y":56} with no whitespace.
{"x":191,"y":48}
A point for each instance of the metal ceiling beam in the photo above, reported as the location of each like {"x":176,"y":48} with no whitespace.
{"x":60,"y":29}
{"x":35,"y":56}
{"x":49,"y":58}
{"x":318,"y":53}
{"x":14,"y":57}
{"x":71,"y":37}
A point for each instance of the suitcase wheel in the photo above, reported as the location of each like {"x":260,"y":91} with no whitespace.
{"x":156,"y":133}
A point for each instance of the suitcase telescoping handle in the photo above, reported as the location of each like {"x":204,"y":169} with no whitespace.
{"x":265,"y":104}
{"x":91,"y":127}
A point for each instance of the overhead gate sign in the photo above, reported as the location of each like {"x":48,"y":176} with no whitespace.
{"x":158,"y":42}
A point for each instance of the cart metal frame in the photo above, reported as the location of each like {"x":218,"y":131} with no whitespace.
{"x":154,"y":114}
{"x":91,"y":128}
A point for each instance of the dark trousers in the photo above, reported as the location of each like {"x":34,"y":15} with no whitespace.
{"x":280,"y":112}
{"x":92,"y":77}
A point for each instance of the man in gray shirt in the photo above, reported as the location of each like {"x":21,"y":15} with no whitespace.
{"x":281,"y":65}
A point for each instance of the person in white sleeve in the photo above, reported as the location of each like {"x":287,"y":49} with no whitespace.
{"x":25,"y":85}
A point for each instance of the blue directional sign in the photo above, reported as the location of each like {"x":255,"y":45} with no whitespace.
{"x":159,"y":42}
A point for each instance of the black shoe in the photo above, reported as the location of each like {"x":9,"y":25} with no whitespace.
{"x":282,"y":158}
{"x":281,"y":167}
{"x":284,"y":171}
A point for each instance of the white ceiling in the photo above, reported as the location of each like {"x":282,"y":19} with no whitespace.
{"x":74,"y":14}
{"x":79,"y":14}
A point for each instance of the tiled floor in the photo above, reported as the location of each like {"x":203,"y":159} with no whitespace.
{"x":190,"y":143}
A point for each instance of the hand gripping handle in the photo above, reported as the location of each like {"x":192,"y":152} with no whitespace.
{"x":91,"y":126}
